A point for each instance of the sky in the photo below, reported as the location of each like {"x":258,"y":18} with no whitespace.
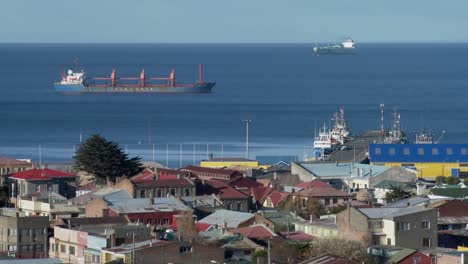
{"x":232,"y":21}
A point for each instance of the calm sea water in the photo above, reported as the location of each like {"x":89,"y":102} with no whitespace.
{"x":283,"y":89}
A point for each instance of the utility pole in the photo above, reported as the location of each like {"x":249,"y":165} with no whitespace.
{"x":194,"y":154}
{"x":247,"y":123}
{"x":153,"y":153}
{"x":180,"y":156}
{"x":269,"y":260}
{"x":133,"y":251}
{"x":149,"y":131}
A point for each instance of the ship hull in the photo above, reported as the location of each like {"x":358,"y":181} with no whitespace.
{"x":196,"y":88}
{"x":334,"y":51}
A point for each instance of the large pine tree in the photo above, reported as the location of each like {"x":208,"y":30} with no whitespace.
{"x":104,"y":159}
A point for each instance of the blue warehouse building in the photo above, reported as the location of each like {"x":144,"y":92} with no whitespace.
{"x":431,"y":160}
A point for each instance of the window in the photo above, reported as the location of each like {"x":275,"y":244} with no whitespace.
{"x":327,"y":201}
{"x":185,"y":249}
{"x":239,"y":207}
{"x":464,"y":151}
{"x":425,"y":224}
{"x":142,"y":193}
{"x":391,"y":151}
{"x":449,"y":151}
{"x":158,"y":193}
{"x":378,"y":151}
{"x":403,"y":226}
{"x":187,"y":192}
{"x":52,"y":247}
{"x":166,"y":221}
{"x":389,"y":241}
{"x":416,"y":259}
{"x":72,"y":250}
{"x":435,"y":151}
{"x":406,"y":151}
{"x":335,"y":200}
{"x":376,"y":224}
{"x":426,"y":242}
{"x":172,"y":192}
{"x":62,"y":248}
{"x":420,"y":151}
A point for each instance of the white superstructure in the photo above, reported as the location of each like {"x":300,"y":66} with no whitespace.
{"x":348,"y":44}
{"x":73,"y":78}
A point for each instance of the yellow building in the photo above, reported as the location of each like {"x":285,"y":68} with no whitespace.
{"x":229,"y":163}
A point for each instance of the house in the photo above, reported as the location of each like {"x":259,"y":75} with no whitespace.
{"x":23,"y":236}
{"x":452,"y":214}
{"x":325,"y":195}
{"x":211,"y":173}
{"x":41,"y":180}
{"x":158,"y":212}
{"x":386,"y":186}
{"x":231,"y":198}
{"x":254,"y":232}
{"x":83,"y":244}
{"x":394,"y":255}
{"x":203,"y":205}
{"x":10,"y":165}
{"x":280,"y":220}
{"x":365,"y":176}
{"x":163,"y":187}
{"x":275,"y":198}
{"x":48,"y":204}
{"x":229,"y":219}
{"x":325,"y":227}
{"x":161,"y":252}
{"x":312,"y":183}
{"x":162,"y":174}
{"x":260,"y":194}
{"x":411,"y":227}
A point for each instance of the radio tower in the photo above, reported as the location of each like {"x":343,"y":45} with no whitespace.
{"x":382,"y":131}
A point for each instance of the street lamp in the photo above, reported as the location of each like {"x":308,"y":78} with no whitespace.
{"x":247,"y":122}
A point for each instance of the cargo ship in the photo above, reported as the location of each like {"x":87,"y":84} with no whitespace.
{"x":346,"y":47}
{"x":74,"y":81}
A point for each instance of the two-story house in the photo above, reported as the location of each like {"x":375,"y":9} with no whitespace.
{"x":411,"y":227}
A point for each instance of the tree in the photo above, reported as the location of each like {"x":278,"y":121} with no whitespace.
{"x":349,"y":249}
{"x":465,"y":181}
{"x":259,"y":257}
{"x":187,"y":229}
{"x":104,"y":159}
{"x":396,"y":193}
{"x":452,"y":180}
{"x":440,"y":180}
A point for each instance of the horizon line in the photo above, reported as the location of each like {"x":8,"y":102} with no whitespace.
{"x":226,"y":43}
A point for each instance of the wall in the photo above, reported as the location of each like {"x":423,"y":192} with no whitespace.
{"x":224,"y":164}
{"x":453,"y":208}
{"x":95,"y":207}
{"x":389,"y":229}
{"x":317,"y":230}
{"x":410,"y":259}
{"x":304,"y":175}
{"x":431,"y":170}
{"x":413,"y":238}
{"x":352,"y":224}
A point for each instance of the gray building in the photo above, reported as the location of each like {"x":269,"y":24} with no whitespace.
{"x":23,"y":236}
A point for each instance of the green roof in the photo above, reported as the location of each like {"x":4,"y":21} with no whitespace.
{"x":387,"y":184}
{"x":450,"y":192}
{"x":402,"y":254}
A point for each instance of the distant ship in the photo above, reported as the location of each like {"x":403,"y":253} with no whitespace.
{"x":322,"y":144}
{"x":75,"y":82}
{"x":346,"y":47}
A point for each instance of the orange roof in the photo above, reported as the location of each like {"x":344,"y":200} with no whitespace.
{"x":257,"y":231}
{"x":41,"y":174}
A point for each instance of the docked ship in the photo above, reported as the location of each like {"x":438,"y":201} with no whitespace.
{"x":346,"y":47}
{"x":396,"y":135}
{"x":76,"y":82}
{"x":322,"y":144}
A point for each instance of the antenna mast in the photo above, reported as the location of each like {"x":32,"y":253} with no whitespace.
{"x":382,"y":131}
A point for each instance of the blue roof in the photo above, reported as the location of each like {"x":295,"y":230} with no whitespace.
{"x":270,"y":160}
{"x":418,"y":152}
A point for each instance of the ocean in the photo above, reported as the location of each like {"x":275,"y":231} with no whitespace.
{"x":284,"y":89}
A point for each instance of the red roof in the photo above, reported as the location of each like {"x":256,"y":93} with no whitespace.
{"x":202,"y":227}
{"x":145,"y":175}
{"x":310,"y":184}
{"x":298,"y":236}
{"x":277,"y":197}
{"x":41,"y":174}
{"x":243,"y":182}
{"x":225,"y":191}
{"x":10,"y":161}
{"x":260,"y":193}
{"x":323,"y":192}
{"x":257,"y":232}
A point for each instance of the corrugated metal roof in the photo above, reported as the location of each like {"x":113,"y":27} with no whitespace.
{"x":232,"y":218}
{"x":332,"y":169}
{"x":141,"y":205}
{"x":390,"y":213}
